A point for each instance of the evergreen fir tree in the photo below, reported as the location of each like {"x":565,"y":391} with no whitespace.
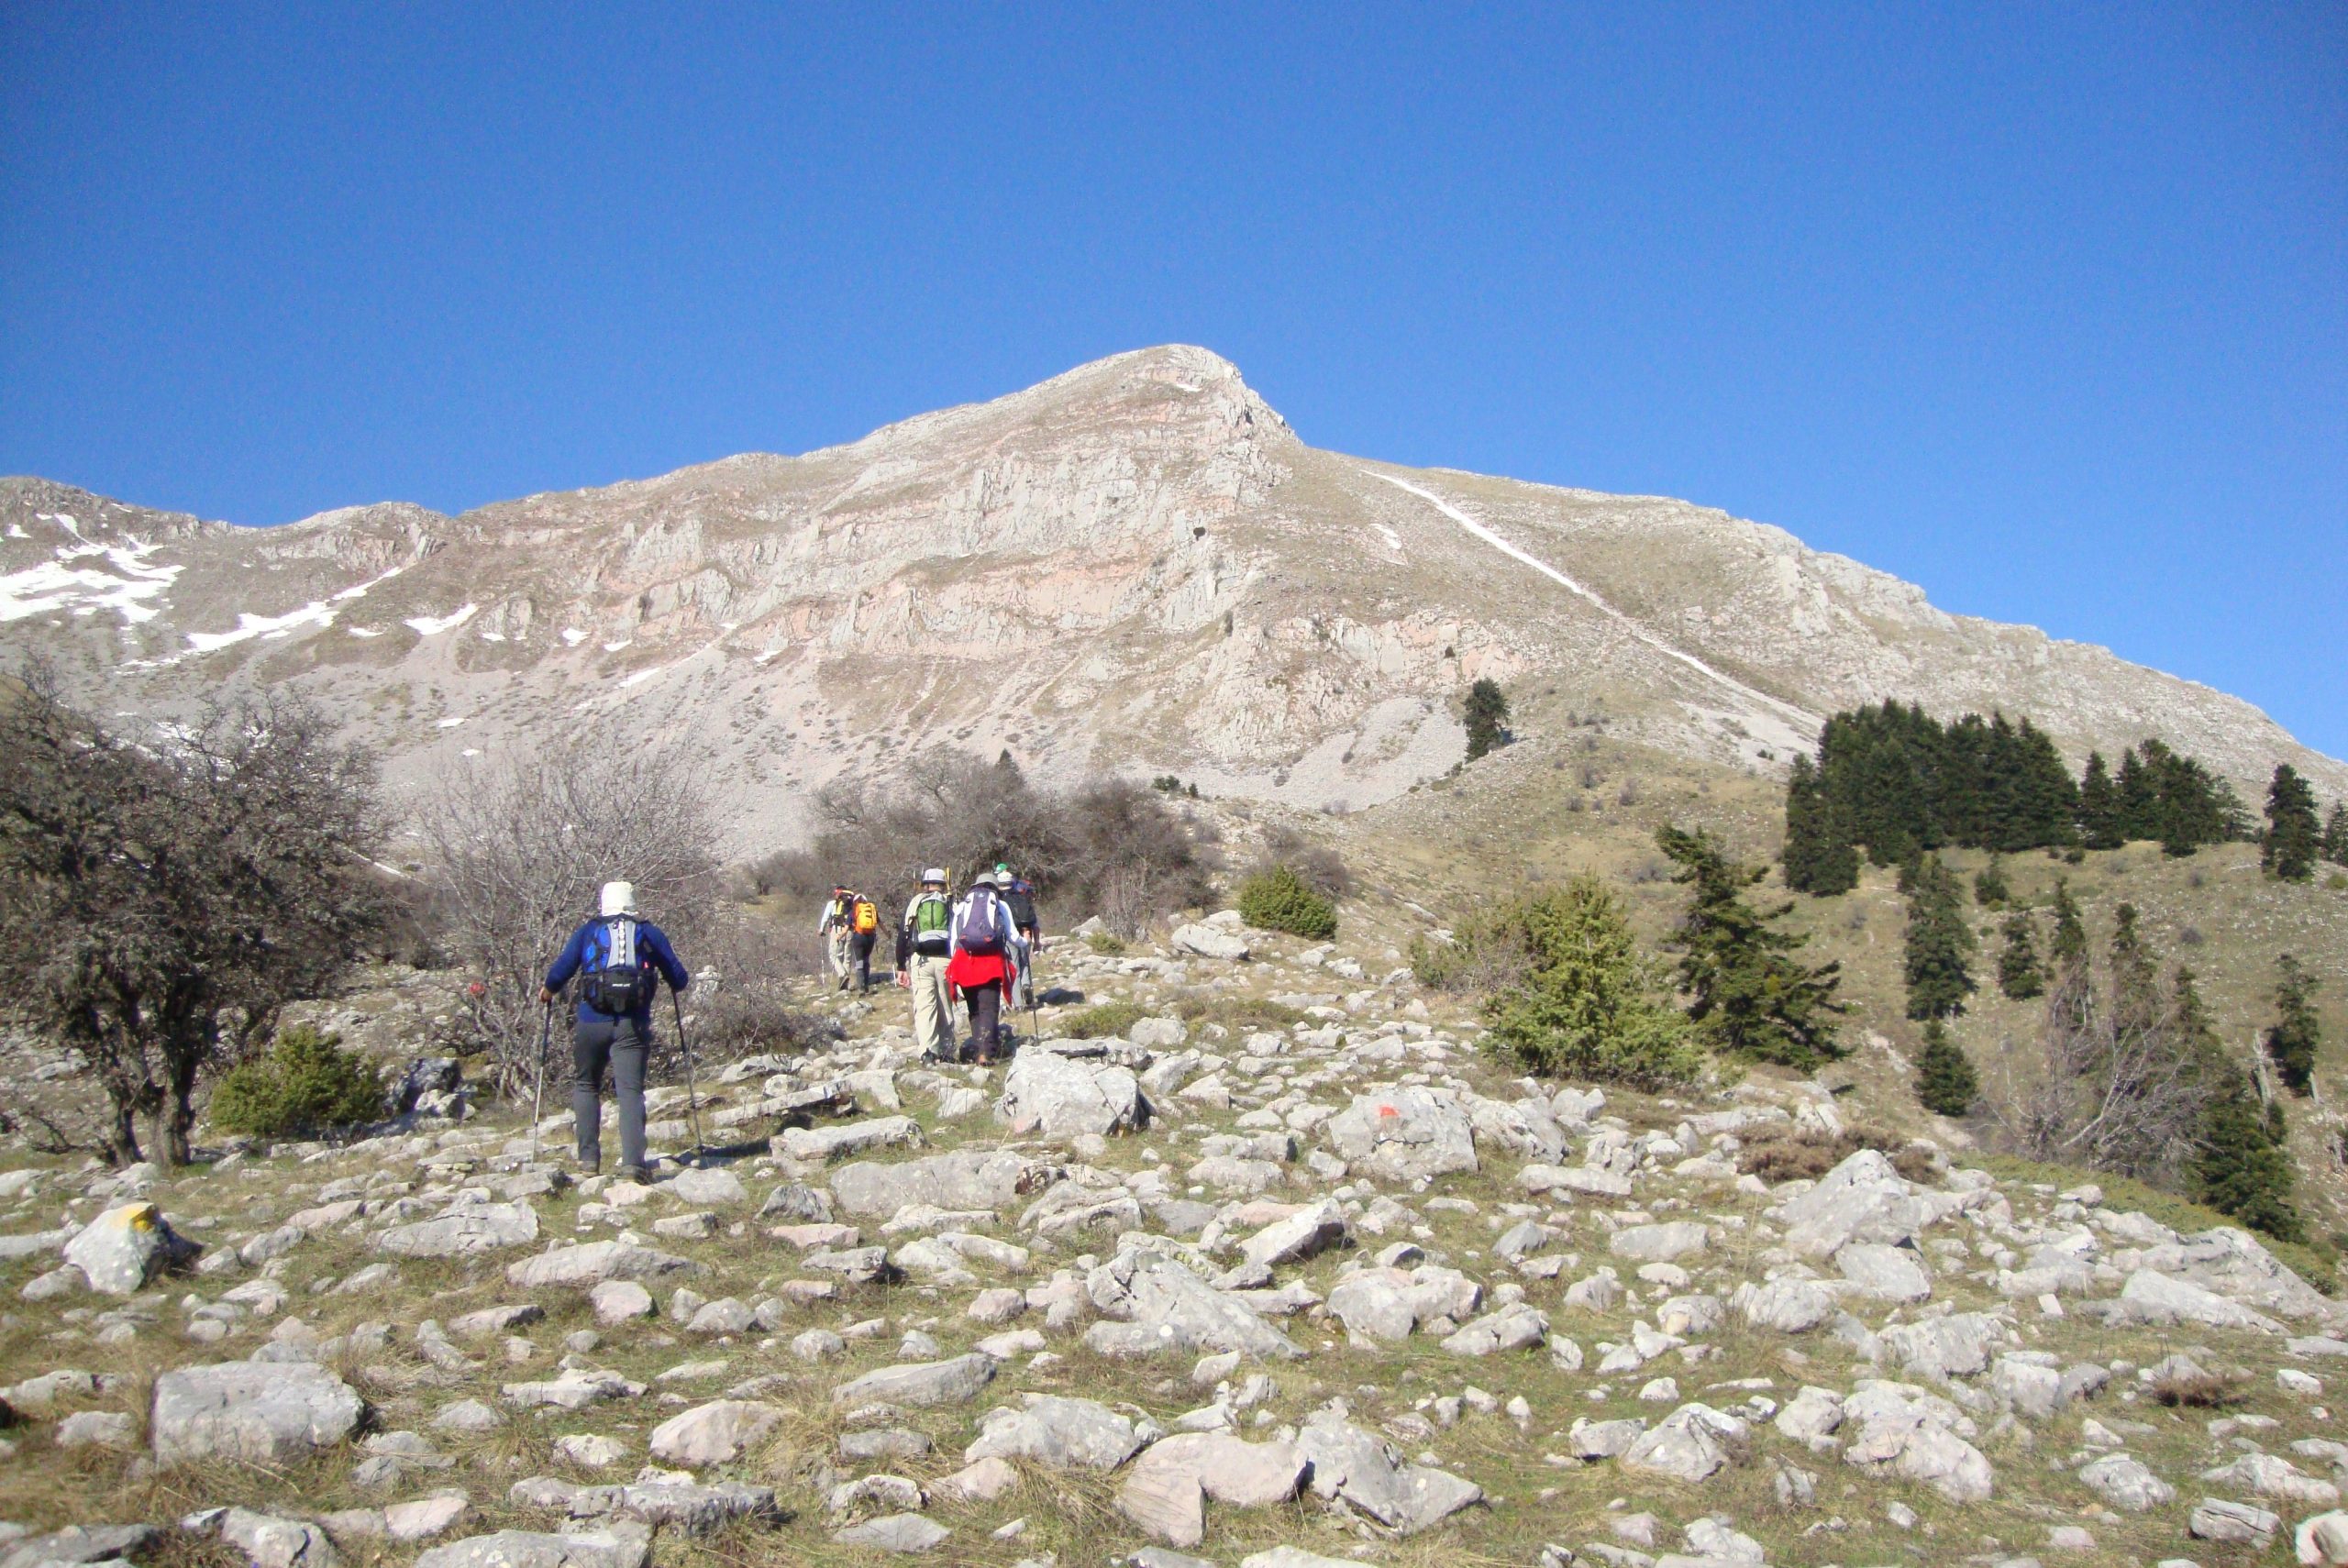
{"x":2017,"y":973}
{"x":1820,"y":858}
{"x":2242,"y":1166}
{"x":1946,"y":1084}
{"x":1989,"y":890}
{"x":2291,"y":833}
{"x":2292,"y":1038}
{"x":2335,"y":833}
{"x":1747,"y":993}
{"x":2101,"y":822}
{"x":2136,"y":999}
{"x":1938,"y":943}
{"x":2138,"y":796}
{"x":1486,"y":714}
{"x":2070,"y":943}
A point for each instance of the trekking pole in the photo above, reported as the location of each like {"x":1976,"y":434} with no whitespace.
{"x":693,"y":1102}
{"x":538,"y":1095}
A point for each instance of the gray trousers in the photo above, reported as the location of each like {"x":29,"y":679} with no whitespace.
{"x":622,"y":1043}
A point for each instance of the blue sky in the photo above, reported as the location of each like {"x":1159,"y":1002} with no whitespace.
{"x":2045,"y":308}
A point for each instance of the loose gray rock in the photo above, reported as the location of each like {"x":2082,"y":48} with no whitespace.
{"x":897,"y":1532}
{"x":126,"y":1246}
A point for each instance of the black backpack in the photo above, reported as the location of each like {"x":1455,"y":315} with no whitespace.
{"x":617,"y":980}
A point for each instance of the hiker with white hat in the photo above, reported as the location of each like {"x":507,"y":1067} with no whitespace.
{"x":620,"y":961}
{"x":924,"y":946}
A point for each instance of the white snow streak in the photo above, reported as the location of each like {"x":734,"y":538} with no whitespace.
{"x":1628,"y":624}
{"x":433,"y":626}
{"x":318,"y":613}
{"x":51,"y":585}
{"x":573,"y":637}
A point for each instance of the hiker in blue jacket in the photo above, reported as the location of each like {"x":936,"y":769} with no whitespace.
{"x":621,"y":961}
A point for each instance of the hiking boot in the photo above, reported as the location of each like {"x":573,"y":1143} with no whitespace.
{"x":584,"y":1166}
{"x":641,"y":1175}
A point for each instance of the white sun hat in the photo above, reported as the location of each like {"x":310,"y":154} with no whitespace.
{"x":619,"y":898}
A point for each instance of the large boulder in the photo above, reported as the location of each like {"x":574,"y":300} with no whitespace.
{"x":1404,"y":1135}
{"x":256,"y":1412}
{"x":1061,"y":1097}
{"x":924,"y":1382}
{"x":1208,"y":942}
{"x":591,"y":1263}
{"x":463,"y":1232}
{"x":962,"y":1179}
{"x":1063,"y":1434}
{"x":1862,"y":1199}
{"x":529,"y":1549}
{"x":1388,"y":1303}
{"x":1903,"y":1430}
{"x":1157,"y":1305}
{"x":715,"y":1433}
{"x":126,"y":1246}
{"x":1166,"y":1491}
{"x":2231,"y":1263}
{"x":1687,"y":1445}
{"x":2155,"y":1299}
{"x":1367,"y":1474}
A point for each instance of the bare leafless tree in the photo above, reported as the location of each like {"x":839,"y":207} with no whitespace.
{"x":1110,"y":848}
{"x":2115,"y":1087}
{"x":166,"y":892}
{"x":519,"y":852}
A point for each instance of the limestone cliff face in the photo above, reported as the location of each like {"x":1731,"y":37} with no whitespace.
{"x":1136,"y":566}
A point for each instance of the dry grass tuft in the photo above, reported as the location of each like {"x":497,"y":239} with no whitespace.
{"x":2199,"y":1390}
{"x":1806,"y":1156}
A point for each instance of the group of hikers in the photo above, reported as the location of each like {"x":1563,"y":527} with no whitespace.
{"x":980,"y":946}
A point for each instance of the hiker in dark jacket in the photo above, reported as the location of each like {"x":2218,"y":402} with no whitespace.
{"x":622,"y":958}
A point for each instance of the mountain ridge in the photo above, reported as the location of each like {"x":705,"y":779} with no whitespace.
{"x":1136,"y":566}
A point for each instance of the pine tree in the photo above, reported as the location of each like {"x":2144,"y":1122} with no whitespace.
{"x":2335,"y":833}
{"x":1747,"y":993}
{"x":2242,"y":1166}
{"x":1820,"y":858}
{"x":2138,"y":795}
{"x":2292,"y":1038}
{"x":2018,"y":972}
{"x":2102,"y":824}
{"x":1946,"y":1084}
{"x":1486,"y":717}
{"x":1989,"y":890}
{"x":1938,"y":944}
{"x":2291,"y":833}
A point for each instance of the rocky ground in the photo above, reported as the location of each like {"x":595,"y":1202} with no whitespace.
{"x":1286,"y":1274}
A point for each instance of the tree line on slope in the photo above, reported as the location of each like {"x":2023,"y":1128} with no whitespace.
{"x":1895,"y":782}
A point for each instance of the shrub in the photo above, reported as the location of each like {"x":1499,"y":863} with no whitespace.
{"x":305,"y":1083}
{"x":1277,"y":899}
{"x":1103,"y":1021}
{"x":1106,"y":944}
{"x":1318,"y":866}
{"x":1589,"y":1004}
{"x":2192,"y":1388}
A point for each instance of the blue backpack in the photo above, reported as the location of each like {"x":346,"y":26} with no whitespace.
{"x":617,"y":979}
